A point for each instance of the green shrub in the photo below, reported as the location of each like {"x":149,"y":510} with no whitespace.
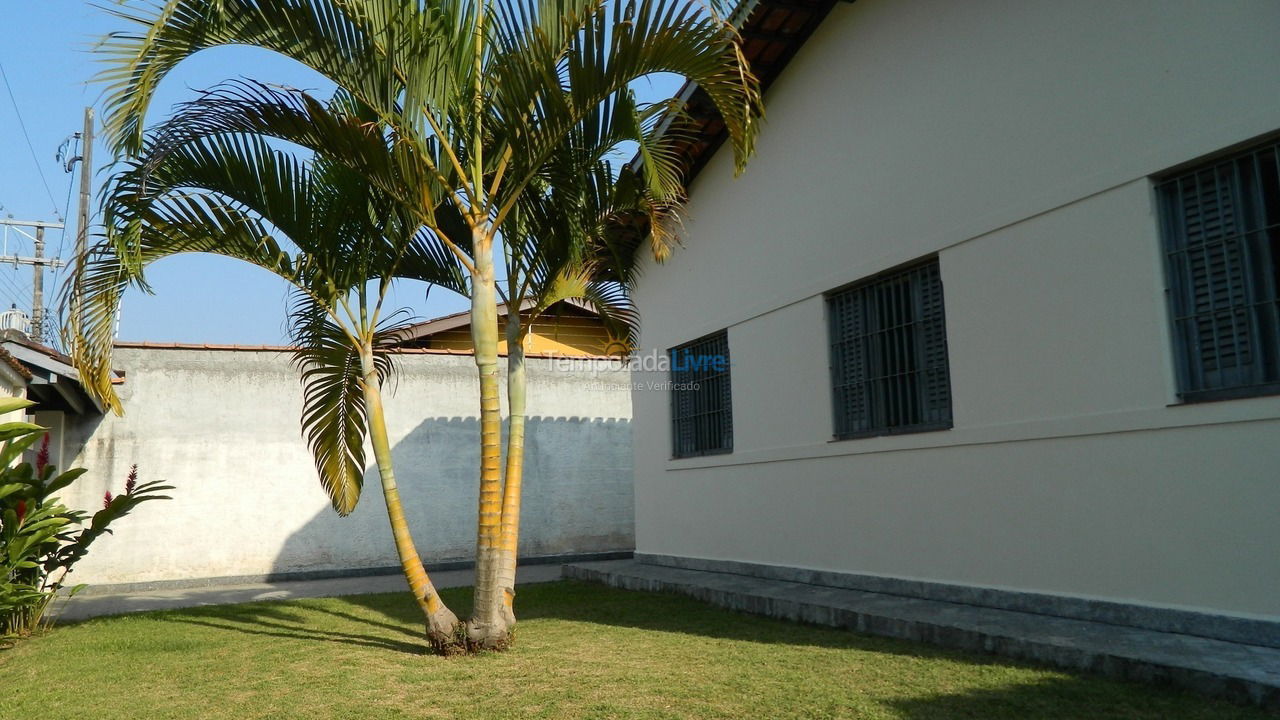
{"x":40,"y":538}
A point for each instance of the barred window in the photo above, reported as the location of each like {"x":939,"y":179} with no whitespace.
{"x":889,"y":370}
{"x":701,"y":403}
{"x":1220,"y":224}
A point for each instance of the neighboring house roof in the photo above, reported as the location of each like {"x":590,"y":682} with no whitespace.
{"x":424,"y":330}
{"x":53,"y":381}
{"x":12,"y":363}
{"x":199,"y":346}
{"x":772,"y":32}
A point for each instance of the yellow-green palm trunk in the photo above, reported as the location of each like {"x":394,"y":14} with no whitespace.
{"x":510,"y":538}
{"x":487,"y":627}
{"x":442,"y":624}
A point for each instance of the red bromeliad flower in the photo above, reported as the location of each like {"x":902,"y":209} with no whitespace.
{"x":22,"y":510}
{"x":132,"y":481}
{"x":42,"y":457}
{"x":106,"y":499}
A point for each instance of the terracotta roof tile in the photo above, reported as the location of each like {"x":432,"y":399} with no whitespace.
{"x":13,"y":363}
{"x":772,"y":32}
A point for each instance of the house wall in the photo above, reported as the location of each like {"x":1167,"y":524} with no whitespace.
{"x":1015,"y":140}
{"x":12,"y":385}
{"x":223,"y":427}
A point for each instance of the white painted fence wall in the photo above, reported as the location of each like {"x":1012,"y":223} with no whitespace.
{"x":223,"y":426}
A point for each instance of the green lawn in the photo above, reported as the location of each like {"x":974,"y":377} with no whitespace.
{"x":583,"y":651}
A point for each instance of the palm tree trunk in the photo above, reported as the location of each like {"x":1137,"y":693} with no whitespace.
{"x":487,"y":629}
{"x":443,"y":631}
{"x":510,"y":535}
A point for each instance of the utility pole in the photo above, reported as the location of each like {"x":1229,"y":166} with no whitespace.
{"x":82,"y":220}
{"x":37,"y":289}
{"x":86,"y":181}
{"x":38,"y":264}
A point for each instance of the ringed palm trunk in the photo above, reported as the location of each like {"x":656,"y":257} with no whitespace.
{"x":487,"y":629}
{"x":443,"y":630}
{"x":510,"y":532}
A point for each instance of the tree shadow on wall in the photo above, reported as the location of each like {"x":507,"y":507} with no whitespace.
{"x":577,"y":498}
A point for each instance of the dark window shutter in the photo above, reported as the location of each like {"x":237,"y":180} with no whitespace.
{"x":701,"y":397}
{"x":681,"y":414}
{"x":936,"y":372}
{"x":889,"y":354}
{"x":723,"y":420}
{"x":1220,"y":229}
{"x":1215,"y":276}
{"x":849,"y":363}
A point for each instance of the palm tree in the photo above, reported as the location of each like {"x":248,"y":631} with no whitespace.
{"x":334,"y":238}
{"x":575,"y":239}
{"x":473,"y":103}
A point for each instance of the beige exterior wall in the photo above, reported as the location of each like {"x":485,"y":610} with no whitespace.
{"x":1015,"y":140}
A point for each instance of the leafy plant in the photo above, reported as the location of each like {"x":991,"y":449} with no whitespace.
{"x":41,"y":539}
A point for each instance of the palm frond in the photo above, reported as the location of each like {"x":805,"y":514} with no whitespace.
{"x":348,"y":41}
{"x":341,"y":132}
{"x":333,"y":406}
{"x":546,"y":91}
{"x":136,"y":237}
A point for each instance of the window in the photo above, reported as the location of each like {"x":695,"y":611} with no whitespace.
{"x":1220,"y":224}
{"x":701,"y":403}
{"x":889,"y":354}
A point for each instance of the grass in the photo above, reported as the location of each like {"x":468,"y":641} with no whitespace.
{"x":583,"y":651}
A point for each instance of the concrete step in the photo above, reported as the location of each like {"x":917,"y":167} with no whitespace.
{"x":1246,"y":674}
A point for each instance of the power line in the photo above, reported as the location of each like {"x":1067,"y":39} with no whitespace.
{"x":66,"y":207}
{"x":15,"y":284}
{"x":19,"y":294}
{"x":38,"y":264}
{"x":22,"y":124}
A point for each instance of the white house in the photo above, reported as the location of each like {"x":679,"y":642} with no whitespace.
{"x":999,"y":296}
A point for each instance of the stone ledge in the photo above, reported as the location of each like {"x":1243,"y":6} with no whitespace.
{"x":1246,"y":674}
{"x":1188,"y":622}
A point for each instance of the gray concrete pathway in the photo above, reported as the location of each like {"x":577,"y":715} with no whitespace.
{"x":1248,"y":674}
{"x":92,"y":605}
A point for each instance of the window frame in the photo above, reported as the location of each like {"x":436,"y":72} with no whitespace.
{"x":1179,"y":298}
{"x":675,"y":394}
{"x":906,"y":270}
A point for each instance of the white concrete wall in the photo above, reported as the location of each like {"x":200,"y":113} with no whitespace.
{"x":1016,"y":141}
{"x":223,"y":426}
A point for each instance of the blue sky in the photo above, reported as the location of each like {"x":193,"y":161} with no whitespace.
{"x":48,"y":60}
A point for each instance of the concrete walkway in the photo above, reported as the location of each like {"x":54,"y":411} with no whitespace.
{"x":1247,"y":674}
{"x":87,"y":606}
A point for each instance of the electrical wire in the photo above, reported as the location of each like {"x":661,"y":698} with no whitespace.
{"x":12,"y":286}
{"x":22,"y":124}
{"x":8,"y":285}
{"x":62,"y":239}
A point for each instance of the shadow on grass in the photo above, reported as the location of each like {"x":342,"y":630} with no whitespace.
{"x":595,"y":604}
{"x":1065,"y":698}
{"x":271,"y":620}
{"x":1062,"y":695}
{"x":394,"y":621}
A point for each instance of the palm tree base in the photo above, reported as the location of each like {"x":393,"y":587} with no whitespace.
{"x":490,"y":637}
{"x":446,"y":634}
